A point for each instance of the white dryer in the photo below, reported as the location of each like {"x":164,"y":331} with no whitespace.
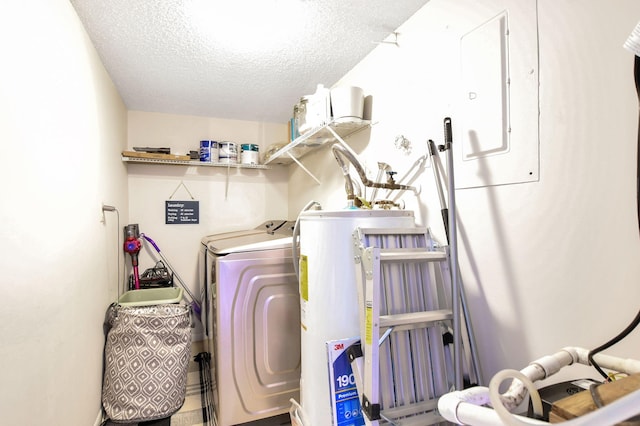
{"x":252,"y":321}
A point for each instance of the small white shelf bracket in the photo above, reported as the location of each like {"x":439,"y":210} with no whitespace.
{"x":342,"y":142}
{"x":303,"y":168}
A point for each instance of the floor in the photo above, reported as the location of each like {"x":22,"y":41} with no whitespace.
{"x":160,"y":422}
{"x":282,"y":420}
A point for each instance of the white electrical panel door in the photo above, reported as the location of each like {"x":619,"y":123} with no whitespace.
{"x":498,"y":120}
{"x":485,"y":84}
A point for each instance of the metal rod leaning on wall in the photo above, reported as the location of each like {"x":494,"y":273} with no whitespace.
{"x":436,"y":165}
{"x":453,"y":250}
{"x":194,"y":301}
{"x":449,"y":220}
{"x":444,"y":211}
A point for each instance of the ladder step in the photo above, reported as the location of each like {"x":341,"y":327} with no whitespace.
{"x":413,"y":231}
{"x":414,"y":319}
{"x":411,"y":255}
{"x":417,"y":414}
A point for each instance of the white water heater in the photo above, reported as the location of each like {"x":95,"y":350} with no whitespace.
{"x":328,"y":295}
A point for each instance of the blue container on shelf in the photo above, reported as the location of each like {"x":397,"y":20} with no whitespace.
{"x":208,"y":151}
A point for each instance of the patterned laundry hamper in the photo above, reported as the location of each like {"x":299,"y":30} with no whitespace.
{"x":147,"y":354}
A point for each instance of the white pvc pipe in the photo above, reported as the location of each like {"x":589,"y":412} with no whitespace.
{"x":454,"y":409}
{"x":625,"y":365}
{"x":549,"y":365}
{"x":467,"y":406}
{"x":537,"y":370}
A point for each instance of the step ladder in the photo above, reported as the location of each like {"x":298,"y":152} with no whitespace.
{"x":405,"y":359}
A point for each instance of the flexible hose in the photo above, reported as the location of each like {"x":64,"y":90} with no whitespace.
{"x":494,"y":395}
{"x":382,"y":169}
{"x":295,"y":246}
{"x":297,"y":414}
{"x":348,"y":183}
{"x":339,"y":150}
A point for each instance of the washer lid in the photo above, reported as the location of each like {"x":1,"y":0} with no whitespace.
{"x":259,"y":238}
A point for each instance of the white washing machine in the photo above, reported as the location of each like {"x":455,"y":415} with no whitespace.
{"x":252,"y":321}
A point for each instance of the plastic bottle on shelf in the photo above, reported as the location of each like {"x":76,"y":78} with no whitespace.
{"x":301,"y":126}
{"x":322,"y":104}
{"x":313,"y":110}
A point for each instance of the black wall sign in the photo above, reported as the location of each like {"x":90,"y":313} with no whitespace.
{"x":180,"y":212}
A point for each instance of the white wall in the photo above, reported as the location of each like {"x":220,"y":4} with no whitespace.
{"x":229,"y":198}
{"x":62,"y":125}
{"x":545,"y":264}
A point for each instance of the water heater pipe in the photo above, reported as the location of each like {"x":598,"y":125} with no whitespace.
{"x":382,"y":169}
{"x":341,"y":153}
{"x":295,"y":246}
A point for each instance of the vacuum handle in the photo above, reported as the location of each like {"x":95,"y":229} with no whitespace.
{"x":153,"y":243}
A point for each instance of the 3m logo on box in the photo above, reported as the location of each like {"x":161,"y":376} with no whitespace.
{"x":345,"y":402}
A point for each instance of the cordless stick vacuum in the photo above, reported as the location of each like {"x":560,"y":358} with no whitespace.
{"x":132,"y":246}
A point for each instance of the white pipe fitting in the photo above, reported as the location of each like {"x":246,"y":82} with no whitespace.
{"x":468,"y":407}
{"x":454,"y":408}
{"x":629,"y":366}
{"x":537,"y":370}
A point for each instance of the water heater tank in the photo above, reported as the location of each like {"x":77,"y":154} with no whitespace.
{"x":328,"y":294}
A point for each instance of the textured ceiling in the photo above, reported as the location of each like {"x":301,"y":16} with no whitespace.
{"x":238,"y":59}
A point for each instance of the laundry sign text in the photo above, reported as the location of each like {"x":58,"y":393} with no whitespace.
{"x":181,"y":212}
